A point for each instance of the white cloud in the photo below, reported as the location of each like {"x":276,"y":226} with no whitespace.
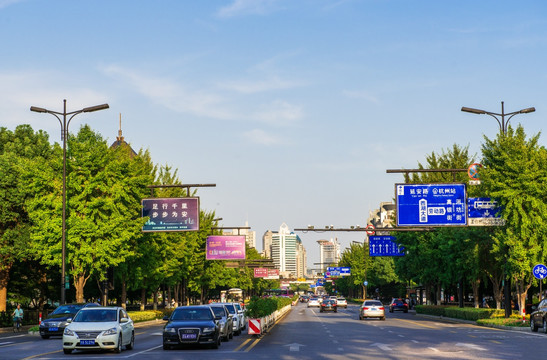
{"x":172,"y":95}
{"x":361,"y":95}
{"x":258,"y":136}
{"x":247,"y":7}
{"x":279,"y":113}
{"x":6,"y":3}
{"x":253,"y":87}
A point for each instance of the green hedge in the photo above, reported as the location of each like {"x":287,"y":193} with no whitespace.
{"x":147,"y":315}
{"x":472,"y":314}
{"x":261,"y":307}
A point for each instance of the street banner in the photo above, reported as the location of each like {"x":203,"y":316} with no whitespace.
{"x":260,"y":272}
{"x":171,"y":214}
{"x":225,"y":247}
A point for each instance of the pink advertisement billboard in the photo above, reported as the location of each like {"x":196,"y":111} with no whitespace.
{"x":224,"y":247}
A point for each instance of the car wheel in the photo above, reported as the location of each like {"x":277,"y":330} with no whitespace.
{"x":405,"y":311}
{"x":131,"y":344}
{"x":119,"y":347}
{"x":360,"y":317}
{"x":67,"y":351}
{"x":390,"y":310}
{"x":45,"y":336}
{"x":383,"y":318}
{"x":166,"y":347}
{"x":533,"y":326}
{"x":335,"y":310}
{"x":231,"y":335}
{"x":216,"y":344}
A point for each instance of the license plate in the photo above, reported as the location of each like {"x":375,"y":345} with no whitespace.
{"x":87,"y":342}
{"x":189,"y":336}
{"x":53,"y":329}
{"x":373,"y":309}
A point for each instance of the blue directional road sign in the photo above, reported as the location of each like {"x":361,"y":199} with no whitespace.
{"x":540,"y":271}
{"x":338,"y":271}
{"x":483,"y":212}
{"x":384,"y":246}
{"x":431,"y":204}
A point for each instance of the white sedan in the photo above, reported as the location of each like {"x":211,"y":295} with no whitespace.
{"x":314,"y":302}
{"x":98,"y":328}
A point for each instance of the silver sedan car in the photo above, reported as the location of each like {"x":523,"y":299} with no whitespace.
{"x":371,"y":309}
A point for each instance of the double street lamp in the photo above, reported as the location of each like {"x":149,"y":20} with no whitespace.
{"x":501,"y":122}
{"x":64,"y":135}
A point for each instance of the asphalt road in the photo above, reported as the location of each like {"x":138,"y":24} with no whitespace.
{"x":305,"y":333}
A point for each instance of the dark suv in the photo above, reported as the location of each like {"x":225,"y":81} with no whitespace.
{"x":399,"y":305}
{"x":329,"y":305}
{"x":538,"y":317}
{"x":57,"y":321}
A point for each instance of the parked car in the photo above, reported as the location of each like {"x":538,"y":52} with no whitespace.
{"x":372,"y":308}
{"x":236,"y":318}
{"x":95,"y":328}
{"x":328,"y":305}
{"x":304,"y":298}
{"x":314,"y":302}
{"x":398,"y":305}
{"x":192,"y":325}
{"x":226,"y":323}
{"x":538,"y":317}
{"x":241,"y":315}
{"x":342,"y":302}
{"x":56,"y":322}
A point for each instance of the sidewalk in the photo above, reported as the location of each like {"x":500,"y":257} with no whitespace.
{"x":471,"y":322}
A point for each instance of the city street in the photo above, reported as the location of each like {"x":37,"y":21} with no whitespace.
{"x":305,"y":333}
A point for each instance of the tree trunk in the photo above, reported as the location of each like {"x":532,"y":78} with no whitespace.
{"x":497,"y":288}
{"x":143,"y":299}
{"x":476,"y":285}
{"x":522,"y":290}
{"x":155,"y":305}
{"x":438,"y":295}
{"x":4,"y":279}
{"x":124,"y":292}
{"x":79,"y":284}
{"x":176,"y":293}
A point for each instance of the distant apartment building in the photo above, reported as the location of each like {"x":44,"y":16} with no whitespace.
{"x":287,"y":252}
{"x":382,"y":217}
{"x":329,"y":253}
{"x":250,"y":236}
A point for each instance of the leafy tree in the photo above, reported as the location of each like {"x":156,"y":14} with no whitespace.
{"x":20,"y":152}
{"x":515,"y":171}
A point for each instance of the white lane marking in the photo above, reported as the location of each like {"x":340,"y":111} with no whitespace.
{"x":432,"y":348}
{"x":340,"y":349}
{"x":335,"y":341}
{"x":400,"y":335}
{"x":6,"y":343}
{"x":384,"y":347}
{"x":415,"y":341}
{"x":144,"y":351}
{"x":471,"y":346}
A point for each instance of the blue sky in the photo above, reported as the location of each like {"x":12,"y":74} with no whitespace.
{"x":295,"y":109}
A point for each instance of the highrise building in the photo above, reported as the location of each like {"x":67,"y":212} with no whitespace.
{"x":329,"y":253}
{"x":287,"y":252}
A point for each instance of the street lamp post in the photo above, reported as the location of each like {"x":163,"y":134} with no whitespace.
{"x":504,"y":124}
{"x":64,"y":134}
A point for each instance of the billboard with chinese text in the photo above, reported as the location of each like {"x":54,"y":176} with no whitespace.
{"x":171,"y":214}
{"x":225,"y":247}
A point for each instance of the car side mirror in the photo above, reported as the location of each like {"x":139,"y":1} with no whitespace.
{"x":534,"y":307}
{"x":218,"y":317}
{"x":69,"y":320}
{"x":124,"y":320}
{"x":165,"y":318}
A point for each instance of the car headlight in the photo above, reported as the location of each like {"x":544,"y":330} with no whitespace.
{"x":68,"y":332}
{"x":169,"y":330}
{"x":208,"y":329}
{"x":112,"y":331}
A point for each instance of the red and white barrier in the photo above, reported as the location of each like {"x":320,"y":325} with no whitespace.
{"x":255,"y":327}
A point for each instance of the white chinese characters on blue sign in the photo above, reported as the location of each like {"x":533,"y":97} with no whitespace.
{"x":431,"y":204}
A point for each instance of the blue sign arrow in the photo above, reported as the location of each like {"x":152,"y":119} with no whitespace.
{"x":540,"y":271}
{"x":384,"y":246}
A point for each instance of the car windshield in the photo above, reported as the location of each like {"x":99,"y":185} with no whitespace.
{"x":219,"y":311}
{"x":192,"y":314}
{"x":67,"y":309}
{"x":398,"y":302}
{"x":231,"y":309}
{"x":102,"y":315}
{"x":373,"y":303}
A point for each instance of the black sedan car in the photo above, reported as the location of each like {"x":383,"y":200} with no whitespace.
{"x":398,"y":305}
{"x":192,"y":325}
{"x":328,"y":305}
{"x":55,"y":324}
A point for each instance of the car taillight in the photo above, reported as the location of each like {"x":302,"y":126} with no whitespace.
{"x":365,"y":308}
{"x":406,"y":304}
{"x":382,"y":308}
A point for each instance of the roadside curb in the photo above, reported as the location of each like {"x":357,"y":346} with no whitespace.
{"x":470,"y":322}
